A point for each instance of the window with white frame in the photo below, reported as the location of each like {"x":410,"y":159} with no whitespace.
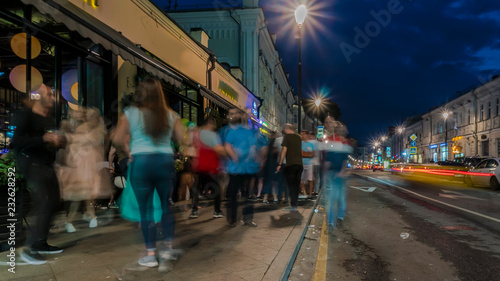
{"x":488,"y":113}
{"x":481,"y":112}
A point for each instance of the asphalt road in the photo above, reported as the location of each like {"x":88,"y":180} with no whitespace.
{"x":402,"y":227}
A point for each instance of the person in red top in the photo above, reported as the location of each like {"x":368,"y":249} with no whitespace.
{"x":207,"y":163}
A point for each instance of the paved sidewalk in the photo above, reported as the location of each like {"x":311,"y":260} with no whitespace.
{"x":214,"y":251}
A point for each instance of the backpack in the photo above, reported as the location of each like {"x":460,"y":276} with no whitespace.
{"x":207,"y":162}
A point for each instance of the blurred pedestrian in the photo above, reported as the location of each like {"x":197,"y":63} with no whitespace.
{"x":307,"y":174}
{"x":151,"y":125}
{"x":34,"y":144}
{"x":240,"y":144}
{"x":337,"y":151}
{"x":270,"y":162}
{"x":315,"y":161}
{"x":291,"y":151}
{"x":207,"y":164}
{"x":283,"y":191}
{"x":80,"y":176}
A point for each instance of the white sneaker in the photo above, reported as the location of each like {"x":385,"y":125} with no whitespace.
{"x":69,"y":227}
{"x":93,"y":222}
{"x":149,"y":261}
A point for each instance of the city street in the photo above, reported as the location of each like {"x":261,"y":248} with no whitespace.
{"x":402,"y":228}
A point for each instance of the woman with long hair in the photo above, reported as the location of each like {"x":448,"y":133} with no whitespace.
{"x":150,"y":126}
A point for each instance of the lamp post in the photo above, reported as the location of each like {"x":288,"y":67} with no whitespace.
{"x":317,"y":102}
{"x":400,"y":131}
{"x":445,"y":116}
{"x":300,"y":16}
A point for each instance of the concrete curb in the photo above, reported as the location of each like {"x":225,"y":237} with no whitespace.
{"x":288,"y":250}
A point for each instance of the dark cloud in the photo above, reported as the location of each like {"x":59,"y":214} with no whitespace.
{"x":420,"y":59}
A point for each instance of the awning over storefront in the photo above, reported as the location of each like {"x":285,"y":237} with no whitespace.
{"x":88,"y":26}
{"x":220,"y":101}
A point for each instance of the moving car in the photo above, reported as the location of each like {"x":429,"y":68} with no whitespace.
{"x":484,"y":174}
{"x":378,"y":167}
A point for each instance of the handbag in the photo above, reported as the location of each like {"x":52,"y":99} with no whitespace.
{"x":208,"y":161}
{"x":119,"y":181}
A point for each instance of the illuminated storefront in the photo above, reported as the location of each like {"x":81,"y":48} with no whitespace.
{"x":93,"y":56}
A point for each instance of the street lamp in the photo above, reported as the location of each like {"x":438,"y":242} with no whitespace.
{"x":445,"y":116}
{"x":300,"y":16}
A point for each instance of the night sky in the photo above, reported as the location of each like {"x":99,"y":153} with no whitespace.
{"x":418,"y":55}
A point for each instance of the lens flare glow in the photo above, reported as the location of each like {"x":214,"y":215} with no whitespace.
{"x":314,"y":26}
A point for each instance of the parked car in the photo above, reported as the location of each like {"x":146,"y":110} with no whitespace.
{"x":472,"y":161}
{"x":484,"y":174}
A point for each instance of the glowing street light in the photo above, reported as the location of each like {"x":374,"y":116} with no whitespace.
{"x":300,"y":14}
{"x":317,"y":102}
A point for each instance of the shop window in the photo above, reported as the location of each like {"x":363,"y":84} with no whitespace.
{"x":192,"y":94}
{"x":444,"y":153}
{"x":194,"y":115}
{"x":95,"y":87}
{"x":186,"y":111}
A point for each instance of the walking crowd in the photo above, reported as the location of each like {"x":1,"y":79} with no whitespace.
{"x":236,"y":163}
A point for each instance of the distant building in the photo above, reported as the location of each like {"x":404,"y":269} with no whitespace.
{"x":241,"y":40}
{"x":472,"y":127}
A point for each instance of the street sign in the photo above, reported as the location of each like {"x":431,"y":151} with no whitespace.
{"x":321,"y":132}
{"x":413,"y":143}
{"x":413,"y":137}
{"x":413,"y":150}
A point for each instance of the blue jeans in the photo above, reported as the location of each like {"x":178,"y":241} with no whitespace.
{"x":336,"y":204}
{"x":147,"y":172}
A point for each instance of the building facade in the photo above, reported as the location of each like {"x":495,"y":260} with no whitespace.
{"x":243,"y":44}
{"x":472,"y":127}
{"x":93,"y":56}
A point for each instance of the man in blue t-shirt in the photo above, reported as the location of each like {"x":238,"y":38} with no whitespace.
{"x":240,"y":144}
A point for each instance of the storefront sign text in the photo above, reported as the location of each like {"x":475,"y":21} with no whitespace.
{"x":228,"y":91}
{"x":93,"y":3}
